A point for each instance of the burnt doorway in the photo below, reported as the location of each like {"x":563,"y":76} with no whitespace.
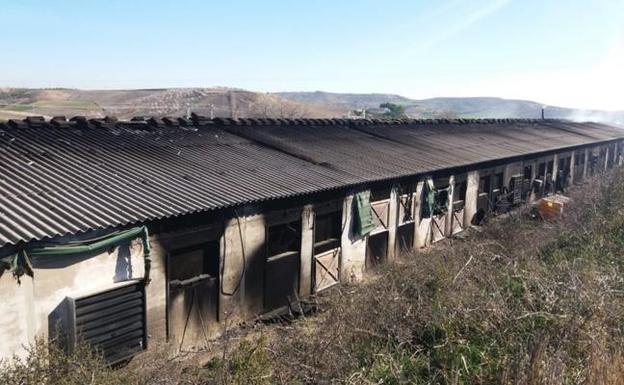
{"x":459,"y":199}
{"x":327,"y":236}
{"x":407,"y":224}
{"x":376,"y":249}
{"x":377,"y":242}
{"x":193,"y":295}
{"x":281,"y":268}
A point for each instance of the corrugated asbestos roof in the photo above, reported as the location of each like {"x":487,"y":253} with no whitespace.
{"x":63,"y":177}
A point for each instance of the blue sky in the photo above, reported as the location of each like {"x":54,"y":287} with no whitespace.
{"x":564,"y":52}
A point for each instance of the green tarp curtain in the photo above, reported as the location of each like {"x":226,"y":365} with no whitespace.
{"x":21,"y":259}
{"x":431,"y":199}
{"x":363,"y":220}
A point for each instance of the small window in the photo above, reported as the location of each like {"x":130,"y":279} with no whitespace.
{"x":441,"y":204}
{"x":425,"y":206}
{"x":380,"y":194}
{"x":498,"y":181}
{"x":191,"y":262}
{"x":542,"y":171}
{"x":528,"y":171}
{"x":327,"y":232}
{"x":406,"y":202}
{"x":459,"y":192}
{"x":407,"y":205}
{"x":484,"y":184}
{"x":284,"y":238}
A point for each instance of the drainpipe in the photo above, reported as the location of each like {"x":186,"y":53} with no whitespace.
{"x":585,"y":163}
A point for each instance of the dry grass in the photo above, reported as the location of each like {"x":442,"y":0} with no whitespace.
{"x":517,"y":302}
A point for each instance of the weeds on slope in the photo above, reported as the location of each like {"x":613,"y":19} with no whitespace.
{"x":47,"y":364}
{"x":519,"y":302}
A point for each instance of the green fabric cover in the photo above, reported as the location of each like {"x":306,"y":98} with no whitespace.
{"x":363,"y":219}
{"x":89,"y":246}
{"x":430,"y":201}
{"x":17,"y":263}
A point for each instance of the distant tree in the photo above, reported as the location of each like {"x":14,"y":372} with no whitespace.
{"x":395,"y":111}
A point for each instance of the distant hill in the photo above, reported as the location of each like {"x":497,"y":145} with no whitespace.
{"x":227,"y":102}
{"x":223,"y":102}
{"x":461,"y":107}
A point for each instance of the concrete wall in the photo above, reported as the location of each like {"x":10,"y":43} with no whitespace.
{"x":472,"y":194}
{"x":17,"y":320}
{"x":38,"y":304}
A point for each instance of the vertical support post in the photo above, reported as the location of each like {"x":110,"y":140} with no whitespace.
{"x":417,"y":208}
{"x":448,"y":221}
{"x":507,"y":172}
{"x":393,"y":221}
{"x":571,"y":173}
{"x":554,"y":172}
{"x":534,"y":167}
{"x":585,"y":163}
{"x":307,"y":251}
{"x":606,"y":158}
{"x":472,"y":195}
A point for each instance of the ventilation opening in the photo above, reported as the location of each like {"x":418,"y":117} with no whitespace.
{"x":380,"y":194}
{"x":195,"y":261}
{"x":405,"y":237}
{"x":113,"y":322}
{"x":459,"y":195}
{"x":526,"y":182}
{"x":541,"y":171}
{"x":376,"y":249}
{"x":426,"y":207}
{"x":406,"y":209}
{"x":327,"y":232}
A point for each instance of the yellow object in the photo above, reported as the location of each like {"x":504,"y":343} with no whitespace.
{"x":551,"y":207}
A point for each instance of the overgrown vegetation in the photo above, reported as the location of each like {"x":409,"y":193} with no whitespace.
{"x":48,"y":364}
{"x":516,"y":302}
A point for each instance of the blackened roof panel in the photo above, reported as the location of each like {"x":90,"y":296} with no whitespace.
{"x":58,"y":179}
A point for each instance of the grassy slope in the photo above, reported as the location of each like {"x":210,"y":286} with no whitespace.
{"x":518,"y":302}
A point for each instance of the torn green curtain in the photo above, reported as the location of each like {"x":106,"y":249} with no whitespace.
{"x":364,"y":214}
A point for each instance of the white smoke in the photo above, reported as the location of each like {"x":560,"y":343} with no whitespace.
{"x":616,"y":118}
